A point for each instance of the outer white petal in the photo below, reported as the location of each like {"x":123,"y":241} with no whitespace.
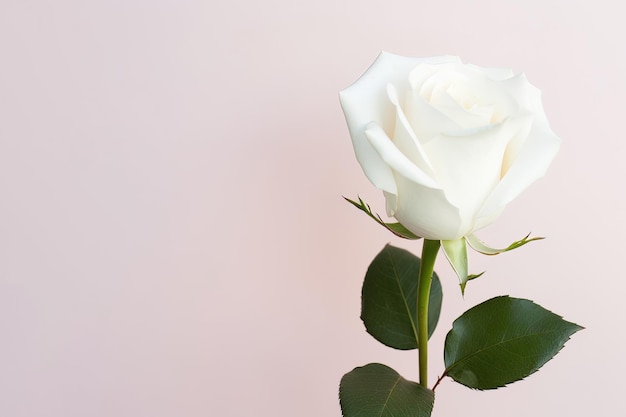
{"x":532,"y":162}
{"x":426,"y":211}
{"x":469,"y":164}
{"x":513,"y":148}
{"x":365,"y":101}
{"x":391,"y":203}
{"x":527,"y":159}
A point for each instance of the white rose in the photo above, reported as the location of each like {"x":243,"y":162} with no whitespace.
{"x":450,"y":144}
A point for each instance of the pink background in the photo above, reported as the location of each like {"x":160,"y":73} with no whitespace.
{"x":173,"y":241}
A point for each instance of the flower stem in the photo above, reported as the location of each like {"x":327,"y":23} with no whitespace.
{"x":427,"y":266}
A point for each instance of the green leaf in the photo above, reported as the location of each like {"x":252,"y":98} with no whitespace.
{"x":502,"y":341}
{"x":389,"y":299}
{"x":395,"y":228}
{"x":376,"y":390}
{"x":479,"y":246}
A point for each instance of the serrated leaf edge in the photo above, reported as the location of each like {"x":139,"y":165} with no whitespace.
{"x":576,"y":328}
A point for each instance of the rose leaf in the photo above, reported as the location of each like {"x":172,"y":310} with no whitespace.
{"x":375,"y":390}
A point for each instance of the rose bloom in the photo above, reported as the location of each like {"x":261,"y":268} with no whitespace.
{"x":450,"y":144}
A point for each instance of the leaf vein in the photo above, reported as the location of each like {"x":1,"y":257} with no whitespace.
{"x":404,"y":298}
{"x":491,"y":346}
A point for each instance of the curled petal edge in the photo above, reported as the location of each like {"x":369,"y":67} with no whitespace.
{"x":395,"y":159}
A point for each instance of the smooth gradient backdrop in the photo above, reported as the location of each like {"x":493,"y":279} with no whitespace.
{"x":173,"y":241}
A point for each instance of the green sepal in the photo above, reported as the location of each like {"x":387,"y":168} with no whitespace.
{"x":389,"y":299}
{"x":396,"y":228}
{"x":375,"y":390}
{"x":479,"y":246}
{"x":474,"y":276}
{"x":503,"y":340}
{"x":456,"y":252}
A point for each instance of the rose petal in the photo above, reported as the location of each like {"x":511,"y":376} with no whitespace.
{"x":467,"y":118}
{"x":481,"y":92}
{"x":426,"y":211}
{"x":395,"y":159}
{"x":425,"y":120}
{"x":532,"y":162}
{"x":365,"y":101}
{"x":512,"y":149}
{"x":404,"y":137}
{"x":391,"y":203}
{"x":426,"y":79}
{"x":469,"y":165}
{"x":425,"y":71}
{"x":526,"y":96}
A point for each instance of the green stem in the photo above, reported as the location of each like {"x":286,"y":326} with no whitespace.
{"x":427,"y":266}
